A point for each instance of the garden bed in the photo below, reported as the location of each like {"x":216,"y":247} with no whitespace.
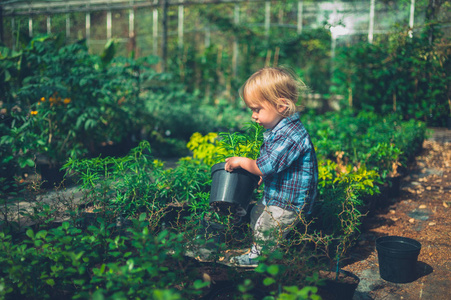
{"x":421,"y":212}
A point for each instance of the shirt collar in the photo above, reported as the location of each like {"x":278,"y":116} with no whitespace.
{"x":285,"y":121}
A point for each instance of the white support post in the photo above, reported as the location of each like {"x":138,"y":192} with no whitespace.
{"x":300,"y":17}
{"x":155,"y":31}
{"x":180,"y":26}
{"x":49,"y":27}
{"x":67,"y":26}
{"x":267,"y":17}
{"x":30,"y":26}
{"x":88,"y":26}
{"x":13,"y":24}
{"x":131,"y":23}
{"x":412,"y":15}
{"x":235,"y":53}
{"x":371,"y":25}
{"x":108,"y":25}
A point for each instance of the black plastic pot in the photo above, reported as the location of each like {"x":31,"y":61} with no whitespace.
{"x":341,"y":288}
{"x":51,"y":175}
{"x":394,"y":183}
{"x":231,"y":191}
{"x":397,"y":258}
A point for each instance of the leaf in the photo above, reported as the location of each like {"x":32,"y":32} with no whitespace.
{"x":50,"y":282}
{"x":130,"y":264}
{"x":98,"y":295}
{"x":30,"y":233}
{"x":26,"y":163}
{"x":65,"y":225}
{"x":268,"y":281}
{"x":199,"y":284}
{"x":7,"y":76}
{"x":273,"y":270}
{"x":142,"y":217}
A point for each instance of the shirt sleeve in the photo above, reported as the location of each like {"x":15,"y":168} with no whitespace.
{"x":279,"y":155}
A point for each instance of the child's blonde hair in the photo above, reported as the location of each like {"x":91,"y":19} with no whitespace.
{"x":280,"y":87}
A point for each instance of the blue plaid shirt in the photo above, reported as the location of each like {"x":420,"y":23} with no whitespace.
{"x":289,"y":165}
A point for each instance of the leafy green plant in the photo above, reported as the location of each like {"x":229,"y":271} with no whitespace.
{"x":400,"y":73}
{"x":121,"y":186}
{"x":215,"y":147}
{"x":70,"y":262}
{"x":384,"y":159}
{"x":340,"y":207}
{"x":67,"y":102}
{"x":245,"y":144}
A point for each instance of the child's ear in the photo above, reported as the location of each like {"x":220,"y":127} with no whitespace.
{"x":283,"y":106}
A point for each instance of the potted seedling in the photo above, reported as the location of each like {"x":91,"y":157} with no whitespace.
{"x":338,"y":283}
{"x":385,"y":159}
{"x":339,"y":214}
{"x":231,"y":192}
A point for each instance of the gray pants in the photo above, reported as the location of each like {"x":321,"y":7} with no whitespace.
{"x":270,"y":223}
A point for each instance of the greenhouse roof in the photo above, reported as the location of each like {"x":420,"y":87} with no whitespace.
{"x":37,"y":7}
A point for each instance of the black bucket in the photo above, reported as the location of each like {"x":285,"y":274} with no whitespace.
{"x":397,"y":258}
{"x":231,"y":191}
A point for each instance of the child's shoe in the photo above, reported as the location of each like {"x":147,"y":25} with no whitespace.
{"x":244,"y":261}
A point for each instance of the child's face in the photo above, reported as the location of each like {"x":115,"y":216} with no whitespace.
{"x":265,"y":114}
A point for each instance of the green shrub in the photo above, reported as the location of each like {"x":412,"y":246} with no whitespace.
{"x":402,"y":74}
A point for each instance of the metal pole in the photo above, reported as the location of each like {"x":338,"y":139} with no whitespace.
{"x":67,"y":26}
{"x":180,"y":26}
{"x":164,"y":37}
{"x":267,"y":17}
{"x":412,"y":15}
{"x":108,"y":25}
{"x":236,"y":21}
{"x":30,"y":26}
{"x":12,"y":32}
{"x":131,"y":23}
{"x":88,"y":26}
{"x":131,"y":29}
{"x":371,"y":25}
{"x":155,"y":31}
{"x":49,"y":28}
{"x":300,"y":12}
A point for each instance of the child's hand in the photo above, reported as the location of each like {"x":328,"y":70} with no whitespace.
{"x":232,"y":163}
{"x":247,"y":164}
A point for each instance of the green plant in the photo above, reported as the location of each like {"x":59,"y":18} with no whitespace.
{"x":246,"y":144}
{"x":186,"y":183}
{"x":67,"y":102}
{"x":384,"y":158}
{"x":67,"y":261}
{"x":215,"y":147}
{"x":399,"y":73}
{"x":339,"y":209}
{"x":120,"y":186}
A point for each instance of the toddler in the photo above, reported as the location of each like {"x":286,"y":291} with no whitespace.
{"x":287,"y":162}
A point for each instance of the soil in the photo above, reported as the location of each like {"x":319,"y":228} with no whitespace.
{"x":422,"y":211}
